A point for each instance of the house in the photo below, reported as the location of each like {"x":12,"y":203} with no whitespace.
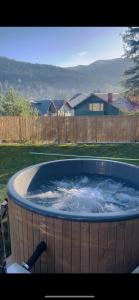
{"x":44,"y":107}
{"x":47,"y":107}
{"x":58,"y":104}
{"x":96,"y":104}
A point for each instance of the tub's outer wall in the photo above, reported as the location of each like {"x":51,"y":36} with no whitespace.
{"x":74,"y":247}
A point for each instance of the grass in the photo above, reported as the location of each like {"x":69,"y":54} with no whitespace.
{"x":14,"y":157}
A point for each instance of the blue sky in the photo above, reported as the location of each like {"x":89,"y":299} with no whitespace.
{"x":61,"y":46}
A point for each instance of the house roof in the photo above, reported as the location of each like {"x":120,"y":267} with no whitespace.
{"x":77,"y":99}
{"x":42,"y":105}
{"x":104,"y":96}
{"x":124,"y":104}
{"x":58,"y":103}
{"x":118,"y":101}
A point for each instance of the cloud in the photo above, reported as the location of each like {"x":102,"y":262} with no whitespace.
{"x":80,"y":58}
{"x":83,"y":53}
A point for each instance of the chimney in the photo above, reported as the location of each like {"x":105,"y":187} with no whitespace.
{"x":109,"y":97}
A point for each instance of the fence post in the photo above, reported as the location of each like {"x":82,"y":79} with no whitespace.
{"x":20,"y":129}
{"x":58,"y":137}
{"x":134,"y":128}
{"x":96,"y":130}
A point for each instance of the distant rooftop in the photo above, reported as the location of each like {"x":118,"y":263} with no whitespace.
{"x":42,"y":105}
{"x":58,"y":103}
{"x":77,"y":99}
{"x":118,"y":100}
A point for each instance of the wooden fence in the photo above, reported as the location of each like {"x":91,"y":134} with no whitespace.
{"x":70,"y":129}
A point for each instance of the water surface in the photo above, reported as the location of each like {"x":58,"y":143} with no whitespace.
{"x":86,"y":194}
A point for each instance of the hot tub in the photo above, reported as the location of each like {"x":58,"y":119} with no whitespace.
{"x":77,"y":243}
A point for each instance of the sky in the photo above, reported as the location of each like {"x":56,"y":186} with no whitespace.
{"x":61,"y":46}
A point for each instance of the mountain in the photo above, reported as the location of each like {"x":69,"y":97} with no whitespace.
{"x":36,"y":81}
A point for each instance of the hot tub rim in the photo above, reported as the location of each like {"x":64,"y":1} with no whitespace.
{"x":55,"y":213}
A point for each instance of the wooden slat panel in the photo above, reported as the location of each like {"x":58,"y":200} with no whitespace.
{"x":91,"y":129}
{"x":85,"y":236}
{"x":75,"y":136}
{"x":135,"y":242}
{"x":136,"y":130}
{"x":103,"y":246}
{"x":20,"y":231}
{"x":76,"y":247}
{"x":58,"y":246}
{"x":16,"y":235}
{"x":29,"y":219}
{"x":46,"y":129}
{"x":23,"y":130}
{"x":66,"y":246}
{"x":11,"y":224}
{"x":128,"y":243}
{"x":69,"y":123}
{"x":36,"y":240}
{"x":43,"y":237}
{"x":94,"y":231}
{"x":51,"y":245}
{"x":79,"y":129}
{"x":85,"y":127}
{"x":120,"y":246}
{"x":61,"y":129}
{"x":25,"y":234}
{"x":14,"y":230}
{"x":54,"y":130}
{"x":112,"y":243}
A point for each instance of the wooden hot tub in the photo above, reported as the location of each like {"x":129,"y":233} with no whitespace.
{"x":89,"y":243}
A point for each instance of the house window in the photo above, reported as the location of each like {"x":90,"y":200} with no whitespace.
{"x":96,"y":106}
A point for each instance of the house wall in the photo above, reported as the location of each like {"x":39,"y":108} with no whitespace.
{"x":66,"y":111}
{"x":83,"y":108}
{"x":111,"y":110}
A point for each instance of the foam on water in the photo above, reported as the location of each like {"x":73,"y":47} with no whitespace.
{"x":96,"y":194}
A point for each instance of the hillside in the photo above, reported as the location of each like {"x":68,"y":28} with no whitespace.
{"x":42,"y":81}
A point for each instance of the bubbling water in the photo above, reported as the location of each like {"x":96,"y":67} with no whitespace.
{"x":87,"y":194}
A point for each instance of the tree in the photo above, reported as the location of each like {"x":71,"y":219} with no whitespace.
{"x":131,"y":47}
{"x":13,"y":104}
{"x":1,"y":104}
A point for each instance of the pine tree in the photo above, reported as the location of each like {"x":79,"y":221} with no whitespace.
{"x":13,"y":104}
{"x":131,"y":47}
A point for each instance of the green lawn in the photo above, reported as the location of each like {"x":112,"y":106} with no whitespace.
{"x":14,"y":157}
